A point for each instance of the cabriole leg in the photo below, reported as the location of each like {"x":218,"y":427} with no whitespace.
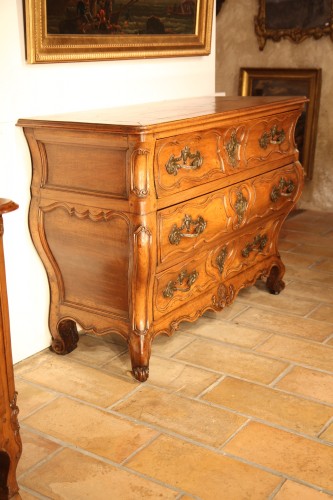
{"x":274,"y":282}
{"x":67,"y":337}
{"x":140,"y":349}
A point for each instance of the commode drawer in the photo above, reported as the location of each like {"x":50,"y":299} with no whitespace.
{"x":182,"y":284}
{"x":203,"y":221}
{"x":247,"y":249}
{"x":189,"y":160}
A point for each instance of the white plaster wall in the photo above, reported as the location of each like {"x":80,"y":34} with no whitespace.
{"x":237,"y":46}
{"x":30,"y":90}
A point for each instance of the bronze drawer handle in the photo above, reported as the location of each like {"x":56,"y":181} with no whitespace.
{"x":221,"y":258}
{"x":176,"y":232}
{"x":184,"y":278}
{"x":189,"y":161}
{"x":275,"y":136}
{"x":232,"y":148}
{"x":285,"y":188}
{"x":258,"y":244}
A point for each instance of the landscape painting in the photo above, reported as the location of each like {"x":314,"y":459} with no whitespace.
{"x":131,"y":17}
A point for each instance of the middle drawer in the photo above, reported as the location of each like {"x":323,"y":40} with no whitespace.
{"x":186,"y":227}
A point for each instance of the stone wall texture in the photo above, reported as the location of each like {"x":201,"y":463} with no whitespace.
{"x":237,"y":46}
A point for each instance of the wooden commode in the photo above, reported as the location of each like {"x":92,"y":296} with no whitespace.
{"x":150,"y":215}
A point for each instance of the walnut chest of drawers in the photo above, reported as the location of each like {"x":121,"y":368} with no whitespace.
{"x":150,"y":215}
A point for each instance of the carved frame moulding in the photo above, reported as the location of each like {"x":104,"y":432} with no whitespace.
{"x":290,"y":81}
{"x":294,"y":20}
{"x":71,"y":31}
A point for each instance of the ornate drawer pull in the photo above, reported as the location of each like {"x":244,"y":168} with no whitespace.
{"x":190,"y":161}
{"x":285,"y":188}
{"x":184,"y":278}
{"x":258,"y":244}
{"x":176,"y":232}
{"x":221,"y":258}
{"x":232,"y":148}
{"x":241,"y":206}
{"x":275,"y":136}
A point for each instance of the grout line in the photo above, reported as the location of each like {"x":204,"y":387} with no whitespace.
{"x":34,"y":493}
{"x":276,"y":490}
{"x":285,"y":372}
{"x":41,"y":462}
{"x":325,"y":427}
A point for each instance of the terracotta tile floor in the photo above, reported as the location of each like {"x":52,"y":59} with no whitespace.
{"x":238,"y":405}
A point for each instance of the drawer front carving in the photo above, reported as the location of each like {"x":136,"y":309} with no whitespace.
{"x":203,"y":221}
{"x":192,"y":225}
{"x":252,"y":247}
{"x":181,"y":284}
{"x":188,"y":160}
{"x":270,"y":139}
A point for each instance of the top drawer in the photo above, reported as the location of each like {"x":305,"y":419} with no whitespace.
{"x":188,"y":160}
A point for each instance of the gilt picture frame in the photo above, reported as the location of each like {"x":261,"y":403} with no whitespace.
{"x":290,"y":82}
{"x":90,"y":30}
{"x":293,"y":20}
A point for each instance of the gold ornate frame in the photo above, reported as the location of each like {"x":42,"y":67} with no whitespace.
{"x":285,"y":81}
{"x":275,"y":28}
{"x":43,"y":47}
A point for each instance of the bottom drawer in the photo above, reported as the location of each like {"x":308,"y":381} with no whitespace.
{"x":182,"y":284}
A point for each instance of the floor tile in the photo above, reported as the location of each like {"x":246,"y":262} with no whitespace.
{"x":71,"y":475}
{"x":291,"y":490}
{"x":34,"y":449}
{"x":189,"y":418}
{"x":33,"y":362}
{"x":168,"y":373}
{"x":167,"y":346}
{"x":325,"y":266}
{"x":227,"y":359}
{"x":311,"y":383}
{"x":300,"y":351}
{"x":202,"y":472}
{"x":304,"y":290}
{"x":30,"y":398}
{"x":96,"y":351}
{"x":225,"y":331}
{"x":89,"y":428}
{"x":323,"y":313}
{"x":316,"y":251}
{"x":311,"y":283}
{"x":271,"y":405}
{"x":314,"y":229}
{"x":282,"y":451}
{"x":298,"y":261}
{"x":178,"y":377}
{"x":24,"y":495}
{"x":259,"y":295}
{"x":86,"y":383}
{"x":285,"y":323}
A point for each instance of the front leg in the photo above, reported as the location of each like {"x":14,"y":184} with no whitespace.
{"x":66,"y":337}
{"x":274,"y":282}
{"x":140,"y":349}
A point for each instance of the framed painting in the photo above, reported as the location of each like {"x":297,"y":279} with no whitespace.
{"x":290,"y":82}
{"x":293,"y":19}
{"x":88,"y":30}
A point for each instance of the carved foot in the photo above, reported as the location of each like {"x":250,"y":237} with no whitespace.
{"x":4,"y":469}
{"x":140,"y":348}
{"x":274,"y":282}
{"x":68,"y":337}
{"x":141,"y":373}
